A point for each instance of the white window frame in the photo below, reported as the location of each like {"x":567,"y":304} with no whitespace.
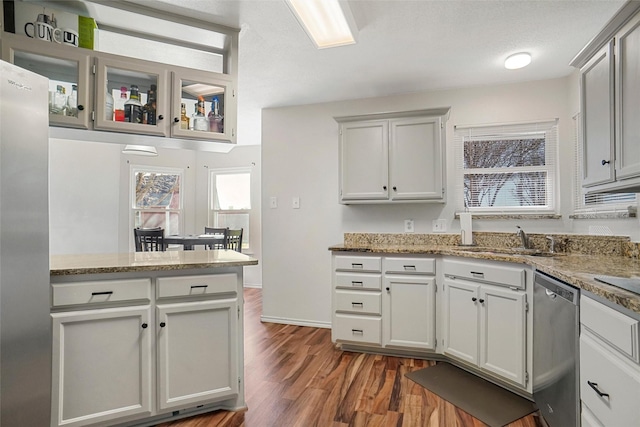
{"x":134,"y":169}
{"x":246,"y":245}
{"x":506,"y":131}
{"x":609,"y":205}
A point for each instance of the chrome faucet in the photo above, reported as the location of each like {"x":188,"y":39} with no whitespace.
{"x":523,"y":237}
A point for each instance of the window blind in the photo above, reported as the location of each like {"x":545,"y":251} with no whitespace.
{"x":507,"y":168}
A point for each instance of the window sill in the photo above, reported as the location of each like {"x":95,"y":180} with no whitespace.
{"x":500,"y":216}
{"x":603,"y":215}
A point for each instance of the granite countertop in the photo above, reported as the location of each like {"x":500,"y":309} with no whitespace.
{"x":576,"y":269}
{"x":66,"y":265}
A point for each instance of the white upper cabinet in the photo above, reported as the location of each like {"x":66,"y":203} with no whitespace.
{"x":392,"y":157}
{"x":610,"y":82}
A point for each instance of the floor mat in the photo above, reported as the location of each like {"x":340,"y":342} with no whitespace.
{"x":483,"y":400}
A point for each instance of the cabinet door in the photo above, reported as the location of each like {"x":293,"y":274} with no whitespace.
{"x":197,"y":352}
{"x":627,"y":95}
{"x":597,"y":106}
{"x":101,"y":365}
{"x":503,"y":333}
{"x":65,"y":67}
{"x":461,"y":320}
{"x":364,"y":160}
{"x":217,"y":122}
{"x":117,"y":77}
{"x":409,"y":312}
{"x":416,"y":159}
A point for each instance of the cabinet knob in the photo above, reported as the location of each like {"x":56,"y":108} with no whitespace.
{"x":176,"y":120}
{"x":162,"y":324}
{"x":606,"y":162}
{"x":388,"y":289}
{"x":474,"y":299}
{"x":144,"y":326}
{"x":384,"y":187}
{"x":481,"y":301}
{"x":160,"y":117}
{"x":80,"y":107}
{"x":395,"y":189}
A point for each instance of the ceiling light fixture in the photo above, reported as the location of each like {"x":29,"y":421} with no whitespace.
{"x":140,"y":150}
{"x":517,"y":60}
{"x":328,"y":23}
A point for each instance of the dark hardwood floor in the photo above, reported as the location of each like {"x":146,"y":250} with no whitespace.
{"x":295,"y":376}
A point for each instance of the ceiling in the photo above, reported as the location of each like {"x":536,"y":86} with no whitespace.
{"x":403,"y":46}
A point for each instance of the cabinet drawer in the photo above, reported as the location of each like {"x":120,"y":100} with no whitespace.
{"x":197,"y":285}
{"x":357,"y":328}
{"x":358,"y":263}
{"x":502,"y":275}
{"x":358,"y":281}
{"x":614,"y":328}
{"x":100,"y":291}
{"x":611,"y":375}
{"x":358,"y":302}
{"x":410,"y":265}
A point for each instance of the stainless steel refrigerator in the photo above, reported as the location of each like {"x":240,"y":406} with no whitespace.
{"x":25,"y":325}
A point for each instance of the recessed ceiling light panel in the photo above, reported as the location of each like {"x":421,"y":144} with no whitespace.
{"x":517,"y":60}
{"x":327,"y":22}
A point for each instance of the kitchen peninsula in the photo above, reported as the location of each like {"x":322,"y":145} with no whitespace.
{"x":142,"y":338}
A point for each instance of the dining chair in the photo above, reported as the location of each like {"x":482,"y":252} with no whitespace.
{"x":219,"y":231}
{"x":234,"y":240}
{"x":149,"y":239}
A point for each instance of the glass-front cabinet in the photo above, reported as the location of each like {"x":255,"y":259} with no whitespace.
{"x":131,"y":96}
{"x":203,"y":106}
{"x":68,"y":71}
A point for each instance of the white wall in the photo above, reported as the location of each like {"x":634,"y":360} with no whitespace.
{"x":90,"y":195}
{"x":300,"y":158}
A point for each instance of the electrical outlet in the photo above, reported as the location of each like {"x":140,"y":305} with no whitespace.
{"x":273,"y":202}
{"x":408,"y":226}
{"x":295,"y":202}
{"x":439,"y":225}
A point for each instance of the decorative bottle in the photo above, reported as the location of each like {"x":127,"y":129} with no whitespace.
{"x":184,"y":120}
{"x":149,"y":109}
{"x":72,"y":102}
{"x":119,"y":104}
{"x":133,"y":106}
{"x":108,"y":107}
{"x":200,"y":121}
{"x":215,"y":118}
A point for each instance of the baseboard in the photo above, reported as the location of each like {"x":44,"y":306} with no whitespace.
{"x":296,"y":322}
{"x":252,"y":285}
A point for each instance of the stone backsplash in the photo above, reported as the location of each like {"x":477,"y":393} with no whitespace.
{"x":564,"y":243}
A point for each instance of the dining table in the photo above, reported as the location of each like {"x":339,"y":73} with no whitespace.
{"x":189,"y":241}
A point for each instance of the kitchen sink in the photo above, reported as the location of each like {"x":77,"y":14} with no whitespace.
{"x":509,"y":251}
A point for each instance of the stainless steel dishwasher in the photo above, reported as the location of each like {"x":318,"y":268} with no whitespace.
{"x":556,"y":351}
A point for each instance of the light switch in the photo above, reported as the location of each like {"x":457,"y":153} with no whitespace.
{"x":295,"y":202}
{"x":408,"y":226}
{"x":273,"y":202}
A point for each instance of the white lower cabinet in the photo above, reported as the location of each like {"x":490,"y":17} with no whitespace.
{"x":102,"y":366}
{"x":485,"y":325}
{"x":197,"y":352}
{"x":609,"y":375}
{"x":409,"y":307}
{"x":129,"y":349}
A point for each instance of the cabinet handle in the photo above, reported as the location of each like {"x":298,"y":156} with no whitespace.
{"x":102,"y":293}
{"x":409,"y":267}
{"x":606,"y":162}
{"x":176,"y":120}
{"x":481,"y":301}
{"x":354,"y":265}
{"x":162,"y":324}
{"x":198,"y":286}
{"x":354,"y":283}
{"x":477,"y":274}
{"x":384,"y":187}
{"x":80,"y":107}
{"x":357,"y":331}
{"x":357,"y":304}
{"x":144,"y":326}
{"x":597,"y":390}
{"x":160,"y":117}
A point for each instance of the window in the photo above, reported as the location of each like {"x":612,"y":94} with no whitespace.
{"x":231,"y":200}
{"x":608,"y":204}
{"x":507,"y":168}
{"x":157,"y":198}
